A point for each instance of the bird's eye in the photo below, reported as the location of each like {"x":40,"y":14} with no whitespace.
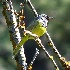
{"x":43,"y":24}
{"x":47,"y":17}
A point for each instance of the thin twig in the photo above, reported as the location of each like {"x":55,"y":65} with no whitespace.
{"x":65,"y":64}
{"x":31,"y":7}
{"x":51,"y":44}
{"x":46,"y":52}
{"x":36,"y":54}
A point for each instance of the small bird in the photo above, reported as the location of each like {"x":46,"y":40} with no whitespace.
{"x":37,"y":27}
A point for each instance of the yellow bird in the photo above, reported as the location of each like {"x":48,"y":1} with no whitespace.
{"x":38,"y":27}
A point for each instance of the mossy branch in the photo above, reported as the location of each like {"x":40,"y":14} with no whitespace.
{"x":15,"y":37}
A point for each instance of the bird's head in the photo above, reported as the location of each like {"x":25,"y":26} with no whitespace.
{"x":43,"y":19}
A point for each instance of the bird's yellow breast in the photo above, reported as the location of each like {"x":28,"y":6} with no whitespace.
{"x":37,"y":28}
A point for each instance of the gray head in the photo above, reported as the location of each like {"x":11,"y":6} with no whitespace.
{"x":43,"y":18}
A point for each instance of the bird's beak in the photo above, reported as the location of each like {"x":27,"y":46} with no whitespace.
{"x":50,"y":18}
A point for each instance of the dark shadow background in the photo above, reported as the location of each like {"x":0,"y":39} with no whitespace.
{"x":58,"y":28}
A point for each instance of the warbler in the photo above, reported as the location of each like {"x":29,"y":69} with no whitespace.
{"x":38,"y":27}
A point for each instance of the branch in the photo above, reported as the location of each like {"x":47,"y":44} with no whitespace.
{"x":51,"y":44}
{"x":15,"y":37}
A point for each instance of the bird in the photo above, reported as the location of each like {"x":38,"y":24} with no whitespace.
{"x":37,"y":27}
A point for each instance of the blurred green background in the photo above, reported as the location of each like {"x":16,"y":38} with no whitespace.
{"x":58,"y":29}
